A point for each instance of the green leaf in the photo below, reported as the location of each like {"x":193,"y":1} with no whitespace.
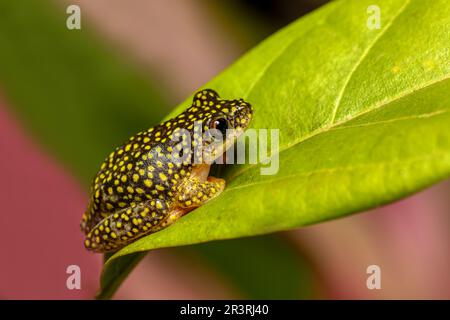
{"x":363,"y":119}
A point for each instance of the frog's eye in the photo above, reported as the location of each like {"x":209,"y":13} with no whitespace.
{"x":220,"y":124}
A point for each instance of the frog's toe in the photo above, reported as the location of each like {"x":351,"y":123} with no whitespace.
{"x":200,"y":192}
{"x":217,"y":183}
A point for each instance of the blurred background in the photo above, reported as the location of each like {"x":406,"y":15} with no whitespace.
{"x":68,"y":97}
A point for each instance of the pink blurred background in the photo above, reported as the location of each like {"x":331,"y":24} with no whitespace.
{"x":409,"y":240}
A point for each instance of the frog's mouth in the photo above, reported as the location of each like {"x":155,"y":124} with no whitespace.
{"x":217,"y":152}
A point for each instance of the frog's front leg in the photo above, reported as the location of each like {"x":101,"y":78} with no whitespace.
{"x":196,"y":192}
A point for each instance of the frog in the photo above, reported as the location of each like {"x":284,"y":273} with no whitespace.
{"x":146,"y":185}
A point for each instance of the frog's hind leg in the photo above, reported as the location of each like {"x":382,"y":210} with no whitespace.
{"x":126,"y":225}
{"x":197,"y":192}
{"x":192,"y":195}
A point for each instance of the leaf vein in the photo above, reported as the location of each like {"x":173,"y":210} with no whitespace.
{"x":338,"y":169}
{"x":361,"y":60}
{"x":277,"y":57}
{"x":416,"y":116}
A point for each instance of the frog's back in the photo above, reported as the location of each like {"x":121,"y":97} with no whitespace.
{"x":135,"y":172}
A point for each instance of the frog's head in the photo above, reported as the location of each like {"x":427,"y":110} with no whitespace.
{"x":223,"y":121}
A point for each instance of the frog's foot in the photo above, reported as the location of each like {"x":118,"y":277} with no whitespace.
{"x":197,"y":192}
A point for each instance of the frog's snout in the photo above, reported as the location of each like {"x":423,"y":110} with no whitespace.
{"x":243,"y":114}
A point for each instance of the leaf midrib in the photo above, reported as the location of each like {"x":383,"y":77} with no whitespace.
{"x":402,"y":162}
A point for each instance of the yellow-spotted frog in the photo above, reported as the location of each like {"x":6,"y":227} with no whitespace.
{"x":141,"y":186}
